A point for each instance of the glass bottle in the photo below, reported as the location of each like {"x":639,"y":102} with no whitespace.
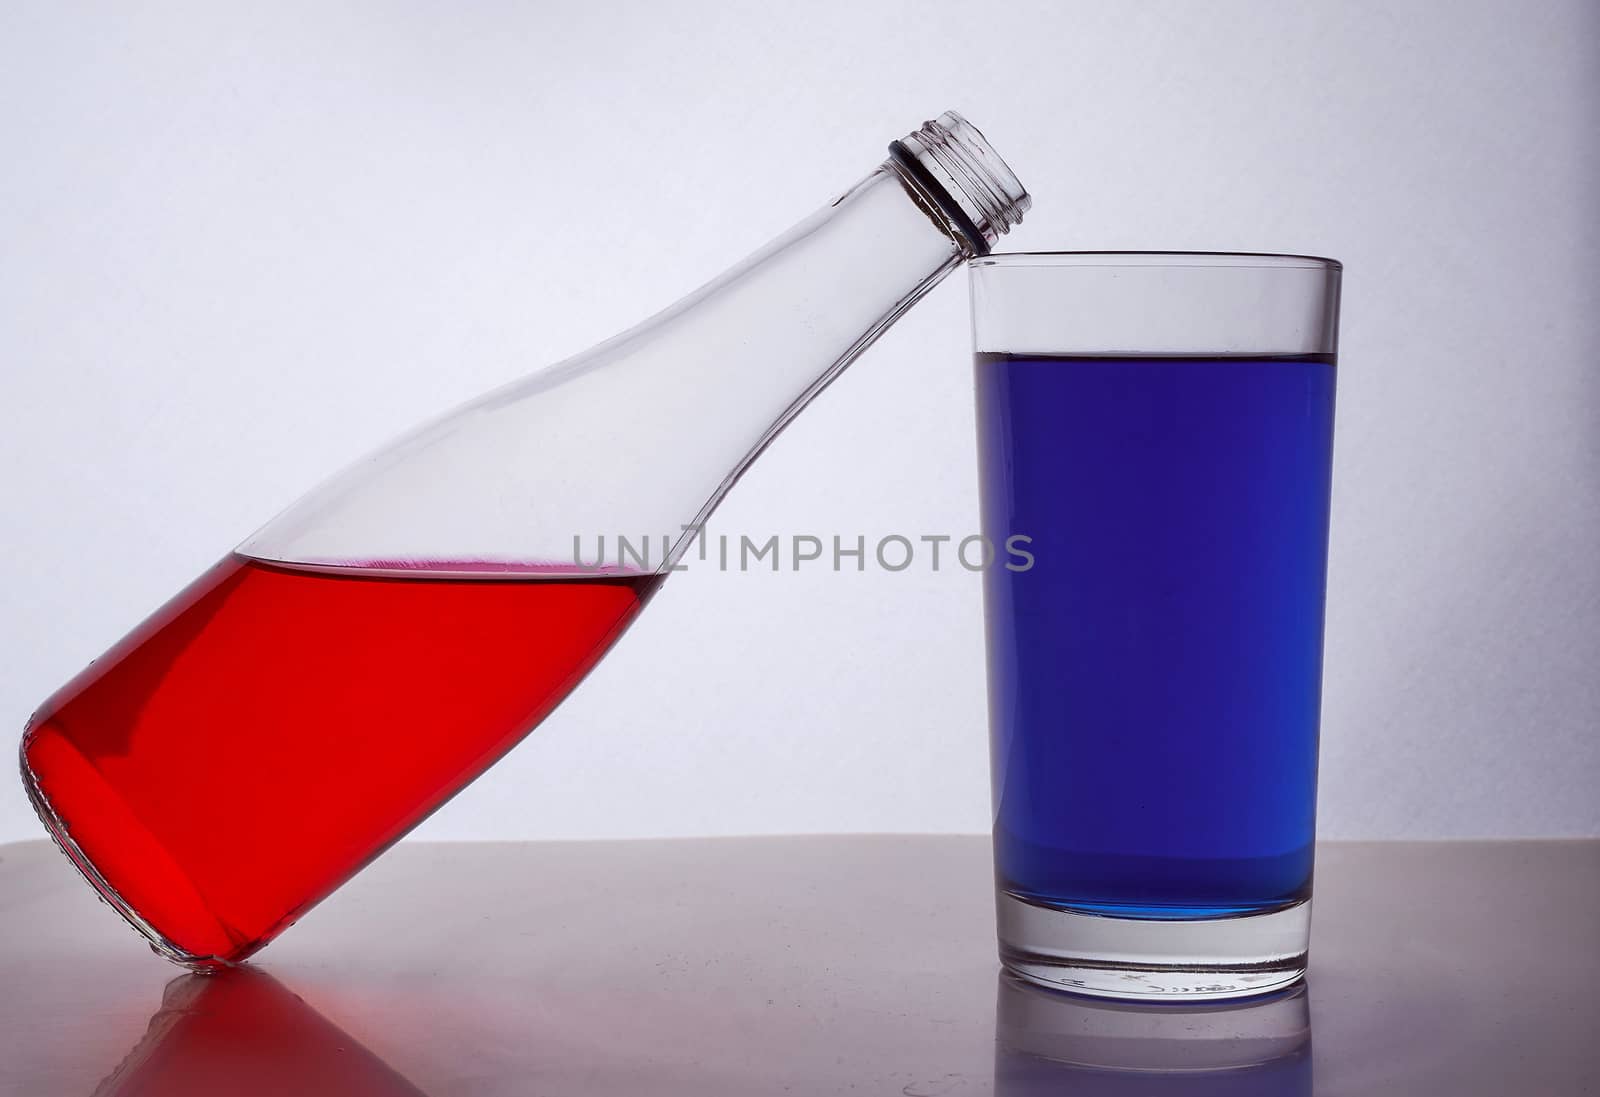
{"x":373,"y":649}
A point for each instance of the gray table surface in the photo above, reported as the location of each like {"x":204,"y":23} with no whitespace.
{"x":819,"y":965}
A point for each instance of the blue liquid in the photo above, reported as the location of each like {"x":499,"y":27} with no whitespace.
{"x":1155,"y":676}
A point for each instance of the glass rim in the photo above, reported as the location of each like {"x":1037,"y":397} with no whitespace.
{"x":1212,"y":259}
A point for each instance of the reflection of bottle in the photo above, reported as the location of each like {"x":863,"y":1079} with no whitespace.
{"x":240,"y":1033}
{"x":377,"y":646}
{"x":1049,"y":1042}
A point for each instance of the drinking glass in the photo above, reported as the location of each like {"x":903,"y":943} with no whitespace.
{"x":1155,"y":435}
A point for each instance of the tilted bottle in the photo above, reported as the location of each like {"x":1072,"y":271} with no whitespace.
{"x":373,"y":649}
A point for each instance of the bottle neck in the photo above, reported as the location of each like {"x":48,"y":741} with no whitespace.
{"x":952,"y":171}
{"x":645,"y":433}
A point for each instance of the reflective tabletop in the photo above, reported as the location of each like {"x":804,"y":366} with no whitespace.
{"x":817,"y":965}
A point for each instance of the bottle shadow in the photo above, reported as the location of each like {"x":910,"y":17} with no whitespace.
{"x":242,"y":1033}
{"x":1051,"y":1042}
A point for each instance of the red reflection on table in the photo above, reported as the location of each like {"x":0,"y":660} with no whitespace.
{"x":241,"y":1033}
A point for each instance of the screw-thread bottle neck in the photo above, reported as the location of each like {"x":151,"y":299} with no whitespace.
{"x":954,"y":166}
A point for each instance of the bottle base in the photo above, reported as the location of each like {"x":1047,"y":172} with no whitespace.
{"x":1145,"y":959}
{"x":109,"y":895}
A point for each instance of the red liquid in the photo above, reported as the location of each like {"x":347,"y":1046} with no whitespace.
{"x":272,"y":729}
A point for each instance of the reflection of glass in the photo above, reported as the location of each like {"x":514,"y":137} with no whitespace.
{"x":1048,"y":1042}
{"x":240,"y":1033}
{"x":1159,"y":430}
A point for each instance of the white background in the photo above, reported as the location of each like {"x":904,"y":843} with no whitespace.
{"x":240,"y":245}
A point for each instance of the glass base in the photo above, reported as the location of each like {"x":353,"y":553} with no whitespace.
{"x":1142,"y":958}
